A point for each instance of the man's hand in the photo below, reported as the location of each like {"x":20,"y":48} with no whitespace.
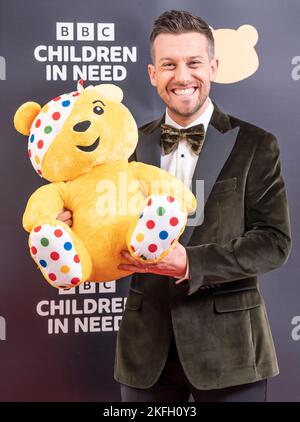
{"x":65,"y":216}
{"x":173,"y":265}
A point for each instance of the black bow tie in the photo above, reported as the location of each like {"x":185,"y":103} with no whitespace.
{"x":170,"y":137}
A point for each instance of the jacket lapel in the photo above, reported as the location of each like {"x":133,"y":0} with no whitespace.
{"x":215,"y":152}
{"x":148,"y":149}
{"x":219,"y":141}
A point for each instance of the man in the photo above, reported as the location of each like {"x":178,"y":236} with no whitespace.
{"x":204,"y":330}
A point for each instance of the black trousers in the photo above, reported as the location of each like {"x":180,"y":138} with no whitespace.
{"x":173,"y":386}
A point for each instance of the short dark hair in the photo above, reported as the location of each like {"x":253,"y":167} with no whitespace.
{"x":180,"y":22}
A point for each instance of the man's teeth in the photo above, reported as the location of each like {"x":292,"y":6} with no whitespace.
{"x":186,"y":91}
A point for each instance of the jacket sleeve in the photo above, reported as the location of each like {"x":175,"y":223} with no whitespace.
{"x":266,"y":242}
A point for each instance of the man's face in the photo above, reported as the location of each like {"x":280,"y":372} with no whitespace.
{"x":182,"y":73}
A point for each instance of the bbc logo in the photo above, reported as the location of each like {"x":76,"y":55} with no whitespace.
{"x":65,"y":31}
{"x":90,"y":288}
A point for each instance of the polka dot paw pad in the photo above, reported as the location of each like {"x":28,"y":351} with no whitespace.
{"x":53,"y":250}
{"x":160,"y":224}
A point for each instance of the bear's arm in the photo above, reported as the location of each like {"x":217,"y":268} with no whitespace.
{"x":162,"y":182}
{"x":44,"y":205}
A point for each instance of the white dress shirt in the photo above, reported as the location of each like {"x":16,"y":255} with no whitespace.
{"x":182,"y":162}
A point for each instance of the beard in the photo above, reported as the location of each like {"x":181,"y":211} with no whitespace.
{"x":188,"y":111}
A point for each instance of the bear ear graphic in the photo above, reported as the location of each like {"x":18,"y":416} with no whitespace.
{"x":249,"y":33}
{"x":110,"y":91}
{"x":25,"y":116}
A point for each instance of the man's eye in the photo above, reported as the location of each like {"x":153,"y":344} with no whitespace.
{"x":98,"y":110}
{"x":168,"y":65}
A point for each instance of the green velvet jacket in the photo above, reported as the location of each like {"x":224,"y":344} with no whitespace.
{"x":218,"y":317}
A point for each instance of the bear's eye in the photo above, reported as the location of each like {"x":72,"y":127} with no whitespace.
{"x":98,"y":110}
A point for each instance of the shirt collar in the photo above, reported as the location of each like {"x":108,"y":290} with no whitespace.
{"x":204,"y":118}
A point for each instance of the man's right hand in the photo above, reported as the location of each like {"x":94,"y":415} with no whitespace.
{"x":65,"y":216}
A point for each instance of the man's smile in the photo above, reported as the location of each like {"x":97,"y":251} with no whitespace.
{"x":184,"y":91}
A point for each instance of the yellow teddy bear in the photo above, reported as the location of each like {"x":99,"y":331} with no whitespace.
{"x":81,"y":142}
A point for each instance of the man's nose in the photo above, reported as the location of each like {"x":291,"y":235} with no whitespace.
{"x":82,"y":126}
{"x":182,"y":73}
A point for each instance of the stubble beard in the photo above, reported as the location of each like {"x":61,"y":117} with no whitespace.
{"x":179,"y":111}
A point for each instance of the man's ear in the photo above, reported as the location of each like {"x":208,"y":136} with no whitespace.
{"x":152,"y":74}
{"x":214,"y":65}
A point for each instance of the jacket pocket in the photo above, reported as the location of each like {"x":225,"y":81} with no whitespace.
{"x":225,"y":185}
{"x":134,"y":300}
{"x":238,"y":300}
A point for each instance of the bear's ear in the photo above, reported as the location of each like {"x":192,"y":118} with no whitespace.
{"x":25,"y":116}
{"x":110,"y":91}
{"x":249,"y":33}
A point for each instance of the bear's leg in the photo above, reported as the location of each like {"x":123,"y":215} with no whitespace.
{"x":60,"y":255}
{"x":155,"y":233}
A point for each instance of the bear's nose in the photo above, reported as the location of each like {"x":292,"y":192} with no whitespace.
{"x":82,"y":126}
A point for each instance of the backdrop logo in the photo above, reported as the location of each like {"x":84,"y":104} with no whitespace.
{"x":95,"y":60}
{"x":237,"y":56}
{"x":296,"y":330}
{"x":2,"y":69}
{"x":83,"y":314}
{"x":2,"y":328}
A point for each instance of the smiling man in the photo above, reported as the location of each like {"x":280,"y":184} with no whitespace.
{"x":196,"y":322}
{"x":184,"y":67}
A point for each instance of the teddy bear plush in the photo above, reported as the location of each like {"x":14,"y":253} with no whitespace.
{"x":81,"y":142}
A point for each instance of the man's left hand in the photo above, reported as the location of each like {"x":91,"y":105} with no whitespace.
{"x":173,"y":265}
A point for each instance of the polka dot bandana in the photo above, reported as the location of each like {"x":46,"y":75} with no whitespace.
{"x":53,"y":250}
{"x":160,"y":224}
{"x":47,"y":125}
